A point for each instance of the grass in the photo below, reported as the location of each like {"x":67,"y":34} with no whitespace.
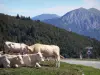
{"x":49,"y":69}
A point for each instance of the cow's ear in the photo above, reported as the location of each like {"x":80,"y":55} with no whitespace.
{"x":37,"y":53}
{"x":29,"y":48}
{"x":17,"y":57}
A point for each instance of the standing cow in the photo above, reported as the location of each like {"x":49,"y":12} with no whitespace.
{"x":47,"y":50}
{"x":12,"y":47}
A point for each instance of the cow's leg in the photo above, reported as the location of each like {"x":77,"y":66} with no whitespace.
{"x":47,"y":59}
{"x":58,"y":61}
{"x":16,"y":65}
{"x":37,"y":64}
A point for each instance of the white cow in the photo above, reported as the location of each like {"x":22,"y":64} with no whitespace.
{"x":47,"y":50}
{"x":12,"y":47}
{"x":11,"y":60}
{"x":32,"y":59}
{"x":4,"y":62}
{"x":1,"y":52}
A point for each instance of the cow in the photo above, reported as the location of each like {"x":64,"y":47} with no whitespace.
{"x":11,"y":60}
{"x":12,"y":47}
{"x":47,"y":50}
{"x":1,"y":52}
{"x":32,"y":60}
{"x":4,"y":62}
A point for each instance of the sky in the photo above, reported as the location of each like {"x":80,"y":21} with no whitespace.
{"x":36,"y":7}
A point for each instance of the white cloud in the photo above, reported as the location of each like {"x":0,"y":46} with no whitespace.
{"x":92,"y":4}
{"x":59,"y":10}
{"x":3,"y":8}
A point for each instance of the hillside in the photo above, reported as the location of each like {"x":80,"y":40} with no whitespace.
{"x":45,"y":17}
{"x":30,"y":32}
{"x":82,"y":21}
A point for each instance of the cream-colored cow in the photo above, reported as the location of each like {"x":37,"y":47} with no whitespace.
{"x":47,"y":50}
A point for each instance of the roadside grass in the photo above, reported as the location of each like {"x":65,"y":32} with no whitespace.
{"x":48,"y":68}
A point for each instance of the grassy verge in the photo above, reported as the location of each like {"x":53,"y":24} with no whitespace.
{"x":49,"y":69}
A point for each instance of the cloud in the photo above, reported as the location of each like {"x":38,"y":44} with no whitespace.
{"x":59,"y":10}
{"x":92,"y":3}
{"x":3,"y":8}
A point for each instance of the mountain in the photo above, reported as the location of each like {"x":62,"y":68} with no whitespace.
{"x":97,"y":12}
{"x":82,"y":21}
{"x":23,"y":30}
{"x":45,"y":17}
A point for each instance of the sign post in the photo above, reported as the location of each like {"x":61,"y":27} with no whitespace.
{"x":89,"y":51}
{"x":81,"y":57}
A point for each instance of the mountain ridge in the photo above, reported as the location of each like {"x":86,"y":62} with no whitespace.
{"x":82,"y":21}
{"x":45,"y":16}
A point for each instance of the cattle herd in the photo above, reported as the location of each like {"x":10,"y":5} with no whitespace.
{"x":20,"y":54}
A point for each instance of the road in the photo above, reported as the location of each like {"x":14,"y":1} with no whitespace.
{"x":95,"y":64}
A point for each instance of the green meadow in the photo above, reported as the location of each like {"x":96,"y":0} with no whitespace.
{"x":48,"y":68}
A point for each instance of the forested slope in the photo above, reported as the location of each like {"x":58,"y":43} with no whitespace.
{"x":21,"y":29}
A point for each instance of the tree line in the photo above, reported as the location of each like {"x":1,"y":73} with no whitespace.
{"x":30,"y":32}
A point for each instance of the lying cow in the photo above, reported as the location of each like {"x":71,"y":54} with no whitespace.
{"x":4,"y":62}
{"x":1,"y":52}
{"x":47,"y":50}
{"x":11,"y":60}
{"x":12,"y":47}
{"x":32,"y":60}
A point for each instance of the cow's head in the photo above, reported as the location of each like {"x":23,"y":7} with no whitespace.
{"x":6,"y":62}
{"x":20,"y":60}
{"x":30,"y":50}
{"x":40,"y":56}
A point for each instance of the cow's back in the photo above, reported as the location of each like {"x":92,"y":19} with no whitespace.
{"x":47,"y":50}
{"x":12,"y":47}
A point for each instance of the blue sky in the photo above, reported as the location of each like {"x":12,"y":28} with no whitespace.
{"x":36,"y":7}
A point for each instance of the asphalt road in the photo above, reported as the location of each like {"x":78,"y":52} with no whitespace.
{"x":95,"y":64}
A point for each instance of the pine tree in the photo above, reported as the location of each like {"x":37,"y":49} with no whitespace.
{"x":17,"y":16}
